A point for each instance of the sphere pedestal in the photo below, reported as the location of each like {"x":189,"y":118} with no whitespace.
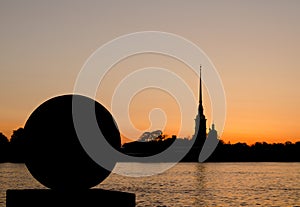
{"x":86,"y":198}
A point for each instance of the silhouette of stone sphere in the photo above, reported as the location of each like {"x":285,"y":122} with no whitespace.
{"x":54,"y":155}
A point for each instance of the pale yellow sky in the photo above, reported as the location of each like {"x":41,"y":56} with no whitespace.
{"x":253,"y":44}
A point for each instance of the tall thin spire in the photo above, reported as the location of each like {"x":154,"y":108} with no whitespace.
{"x":200,"y":88}
{"x":200,"y":126}
{"x":200,"y":107}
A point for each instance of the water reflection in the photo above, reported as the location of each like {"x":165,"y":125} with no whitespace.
{"x":191,"y":184}
{"x":200,"y":187}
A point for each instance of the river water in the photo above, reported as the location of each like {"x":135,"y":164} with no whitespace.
{"x":190,"y":184}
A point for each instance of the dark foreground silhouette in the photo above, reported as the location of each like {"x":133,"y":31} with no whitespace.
{"x":50,"y":146}
{"x":53,"y":153}
{"x":51,"y":198}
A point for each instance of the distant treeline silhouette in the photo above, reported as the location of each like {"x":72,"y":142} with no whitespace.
{"x":225,"y":152}
{"x":258,"y":152}
{"x":13,"y":150}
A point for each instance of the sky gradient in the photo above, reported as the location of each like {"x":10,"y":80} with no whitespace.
{"x":253,"y":44}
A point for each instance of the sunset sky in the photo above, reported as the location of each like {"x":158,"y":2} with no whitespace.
{"x":254,"y":45}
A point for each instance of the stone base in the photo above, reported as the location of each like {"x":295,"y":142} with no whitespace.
{"x":51,"y":198}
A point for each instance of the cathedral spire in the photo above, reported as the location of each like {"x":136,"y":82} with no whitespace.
{"x":200,"y":88}
{"x":200,"y":107}
{"x":200,"y":126}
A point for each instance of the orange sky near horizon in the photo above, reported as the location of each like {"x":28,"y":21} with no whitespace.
{"x":253,"y":44}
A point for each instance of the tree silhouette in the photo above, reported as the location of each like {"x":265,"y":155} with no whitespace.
{"x":16,"y":148}
{"x":3,"y":139}
{"x":258,"y":152}
{"x":3,"y":148}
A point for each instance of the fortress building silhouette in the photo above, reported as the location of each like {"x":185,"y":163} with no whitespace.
{"x":147,"y":147}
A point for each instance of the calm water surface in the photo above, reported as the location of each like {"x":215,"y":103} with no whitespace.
{"x":191,"y":184}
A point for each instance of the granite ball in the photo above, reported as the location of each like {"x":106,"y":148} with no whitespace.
{"x":54,"y":155}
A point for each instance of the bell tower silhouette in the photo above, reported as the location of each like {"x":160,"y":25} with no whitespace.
{"x":200,"y":125}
